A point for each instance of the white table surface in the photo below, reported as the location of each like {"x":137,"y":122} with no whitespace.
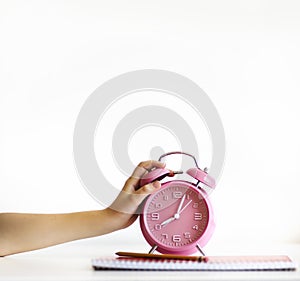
{"x":72,"y":261}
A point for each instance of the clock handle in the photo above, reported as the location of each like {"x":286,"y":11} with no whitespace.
{"x":196,"y":172}
{"x":179,"y":152}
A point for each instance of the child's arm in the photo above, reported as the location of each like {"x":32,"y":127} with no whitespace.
{"x":25,"y":232}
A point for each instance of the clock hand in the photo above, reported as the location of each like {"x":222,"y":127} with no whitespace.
{"x":180,"y":204}
{"x":185,"y":206}
{"x":167,"y":221}
{"x":176,"y":215}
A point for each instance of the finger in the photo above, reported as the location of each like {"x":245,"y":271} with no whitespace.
{"x":141,"y":170}
{"x":146,"y":166}
{"x":128,"y":202}
{"x":148,"y":188}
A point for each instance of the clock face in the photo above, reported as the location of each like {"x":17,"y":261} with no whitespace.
{"x":175,"y":218}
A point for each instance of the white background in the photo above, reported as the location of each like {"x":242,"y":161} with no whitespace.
{"x":243,"y":54}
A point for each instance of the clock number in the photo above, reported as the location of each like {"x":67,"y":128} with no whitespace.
{"x":157,"y":227}
{"x":197,"y":216}
{"x":177,"y":194}
{"x":155,"y":216}
{"x":158,"y":205}
{"x":176,"y":238}
{"x":165,"y":235}
{"x":196,"y":205}
{"x":195,"y":227}
{"x":165,"y":197}
{"x":188,"y":195}
{"x":187,"y":235}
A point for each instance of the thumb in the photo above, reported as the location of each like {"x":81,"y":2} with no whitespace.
{"x":146,"y":190}
{"x":149,"y":188}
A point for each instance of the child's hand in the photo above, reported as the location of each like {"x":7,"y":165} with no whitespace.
{"x":24,"y":232}
{"x":125,"y":208}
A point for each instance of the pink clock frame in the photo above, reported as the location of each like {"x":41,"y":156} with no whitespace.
{"x":203,"y":180}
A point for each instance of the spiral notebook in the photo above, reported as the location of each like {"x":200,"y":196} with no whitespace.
{"x":213,"y":263}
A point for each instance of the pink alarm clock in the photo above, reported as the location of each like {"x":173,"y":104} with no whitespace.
{"x":178,"y":218}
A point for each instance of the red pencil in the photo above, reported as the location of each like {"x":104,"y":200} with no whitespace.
{"x":162,"y":256}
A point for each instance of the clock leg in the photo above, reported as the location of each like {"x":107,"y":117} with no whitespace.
{"x":200,"y":250}
{"x":154,"y":247}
